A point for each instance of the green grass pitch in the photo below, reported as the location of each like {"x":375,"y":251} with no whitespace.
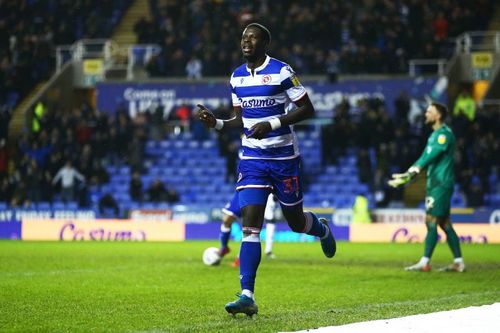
{"x":164,"y":287}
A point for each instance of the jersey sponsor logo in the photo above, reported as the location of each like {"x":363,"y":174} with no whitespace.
{"x":266,"y":79}
{"x":293,"y":76}
{"x":295,"y":80}
{"x":441,"y":139}
{"x":257,"y":103}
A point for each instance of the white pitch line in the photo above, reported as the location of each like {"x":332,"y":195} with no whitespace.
{"x":484,"y":319}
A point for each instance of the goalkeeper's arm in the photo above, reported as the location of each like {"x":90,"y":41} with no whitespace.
{"x":399,"y":179}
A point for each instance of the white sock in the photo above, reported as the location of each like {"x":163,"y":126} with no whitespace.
{"x":458,"y":260}
{"x":424,"y":260}
{"x":270,"y":227}
{"x":247,"y":293}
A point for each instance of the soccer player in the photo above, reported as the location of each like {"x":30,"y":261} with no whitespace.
{"x":438,"y":159}
{"x":232,"y":212}
{"x":267,"y":100}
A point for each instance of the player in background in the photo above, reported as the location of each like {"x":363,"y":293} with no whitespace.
{"x":438,"y":159}
{"x":232,"y":212}
{"x":267,"y":100}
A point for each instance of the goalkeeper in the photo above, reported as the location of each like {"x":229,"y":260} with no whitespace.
{"x":437,"y":158}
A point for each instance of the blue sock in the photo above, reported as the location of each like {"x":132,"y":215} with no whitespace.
{"x":224,"y":236}
{"x":250,"y":254}
{"x":313,"y":226}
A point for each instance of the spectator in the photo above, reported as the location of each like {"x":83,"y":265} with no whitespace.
{"x":194,"y":68}
{"x":108,"y":206}
{"x":465,"y":104}
{"x":158,"y":193}
{"x":135,"y":187}
{"x":475,"y":193}
{"x":68,"y":176}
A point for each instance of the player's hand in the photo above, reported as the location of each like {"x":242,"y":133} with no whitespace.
{"x":205,"y":116}
{"x":399,"y":179}
{"x":260,"y":130}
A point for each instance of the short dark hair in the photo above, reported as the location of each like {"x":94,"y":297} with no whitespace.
{"x":265,"y":32}
{"x":442,"y":109}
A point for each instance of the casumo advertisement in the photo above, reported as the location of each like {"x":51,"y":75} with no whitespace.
{"x":415,"y":233}
{"x":101,"y":230}
{"x":139,"y":97}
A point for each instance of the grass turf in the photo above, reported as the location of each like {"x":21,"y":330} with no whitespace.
{"x":164,"y":287}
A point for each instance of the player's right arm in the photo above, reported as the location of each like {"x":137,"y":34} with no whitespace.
{"x":209,"y":120}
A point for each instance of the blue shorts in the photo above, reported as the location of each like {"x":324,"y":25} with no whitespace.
{"x":282,"y":177}
{"x":233,"y":207}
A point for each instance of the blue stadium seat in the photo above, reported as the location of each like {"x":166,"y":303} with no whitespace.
{"x":42,"y":205}
{"x":3,"y":205}
{"x":58,"y":205}
{"x":72,"y":205}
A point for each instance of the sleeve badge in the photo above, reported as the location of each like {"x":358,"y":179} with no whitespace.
{"x":442,"y":139}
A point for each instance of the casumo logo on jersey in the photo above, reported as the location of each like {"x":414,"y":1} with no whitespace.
{"x":258,"y":103}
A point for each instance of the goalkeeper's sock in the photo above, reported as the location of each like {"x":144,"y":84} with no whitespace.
{"x":250,"y":253}
{"x":225,"y":232}
{"x":424,"y":260}
{"x":431,"y":239}
{"x":453,"y":241}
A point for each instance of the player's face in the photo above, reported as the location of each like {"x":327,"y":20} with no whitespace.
{"x":431,"y":115}
{"x":252,"y":43}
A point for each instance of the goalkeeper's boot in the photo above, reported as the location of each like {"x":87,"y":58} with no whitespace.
{"x":328,"y":243}
{"x":419,"y":267}
{"x":458,"y":267}
{"x":243,"y":304}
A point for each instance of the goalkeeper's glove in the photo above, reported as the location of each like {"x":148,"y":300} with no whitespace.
{"x":399,"y":179}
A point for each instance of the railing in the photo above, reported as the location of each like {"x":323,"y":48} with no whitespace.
{"x":478,"y":41}
{"x":415,"y":66}
{"x":139,"y":55}
{"x":84,"y":49}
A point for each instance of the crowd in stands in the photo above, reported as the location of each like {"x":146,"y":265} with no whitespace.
{"x":398,"y":141}
{"x":315,"y":37}
{"x":70,"y":151}
{"x":67,"y":153}
{"x":31,"y":29}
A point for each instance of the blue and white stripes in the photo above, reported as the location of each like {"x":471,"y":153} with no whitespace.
{"x":269,"y":93}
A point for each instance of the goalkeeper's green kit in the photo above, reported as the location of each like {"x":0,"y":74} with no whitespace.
{"x":438,"y":158}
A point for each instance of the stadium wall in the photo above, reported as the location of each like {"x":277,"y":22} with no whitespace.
{"x":394,"y":229}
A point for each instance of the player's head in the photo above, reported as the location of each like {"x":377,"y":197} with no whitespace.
{"x":435,"y":113}
{"x":255,"y":41}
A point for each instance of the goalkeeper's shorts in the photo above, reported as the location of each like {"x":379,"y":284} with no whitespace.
{"x":438,"y":201}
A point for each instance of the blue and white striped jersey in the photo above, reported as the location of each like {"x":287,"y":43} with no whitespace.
{"x":268,"y":94}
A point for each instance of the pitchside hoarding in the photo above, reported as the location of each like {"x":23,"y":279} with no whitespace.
{"x":101,"y":230}
{"x":415,"y":233}
{"x":140,"y":97}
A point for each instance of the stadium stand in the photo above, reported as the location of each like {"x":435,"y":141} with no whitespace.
{"x":341,"y":36}
{"x":30,"y":30}
{"x":354,"y":154}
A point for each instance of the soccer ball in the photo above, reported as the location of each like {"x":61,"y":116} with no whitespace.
{"x":211,"y":256}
